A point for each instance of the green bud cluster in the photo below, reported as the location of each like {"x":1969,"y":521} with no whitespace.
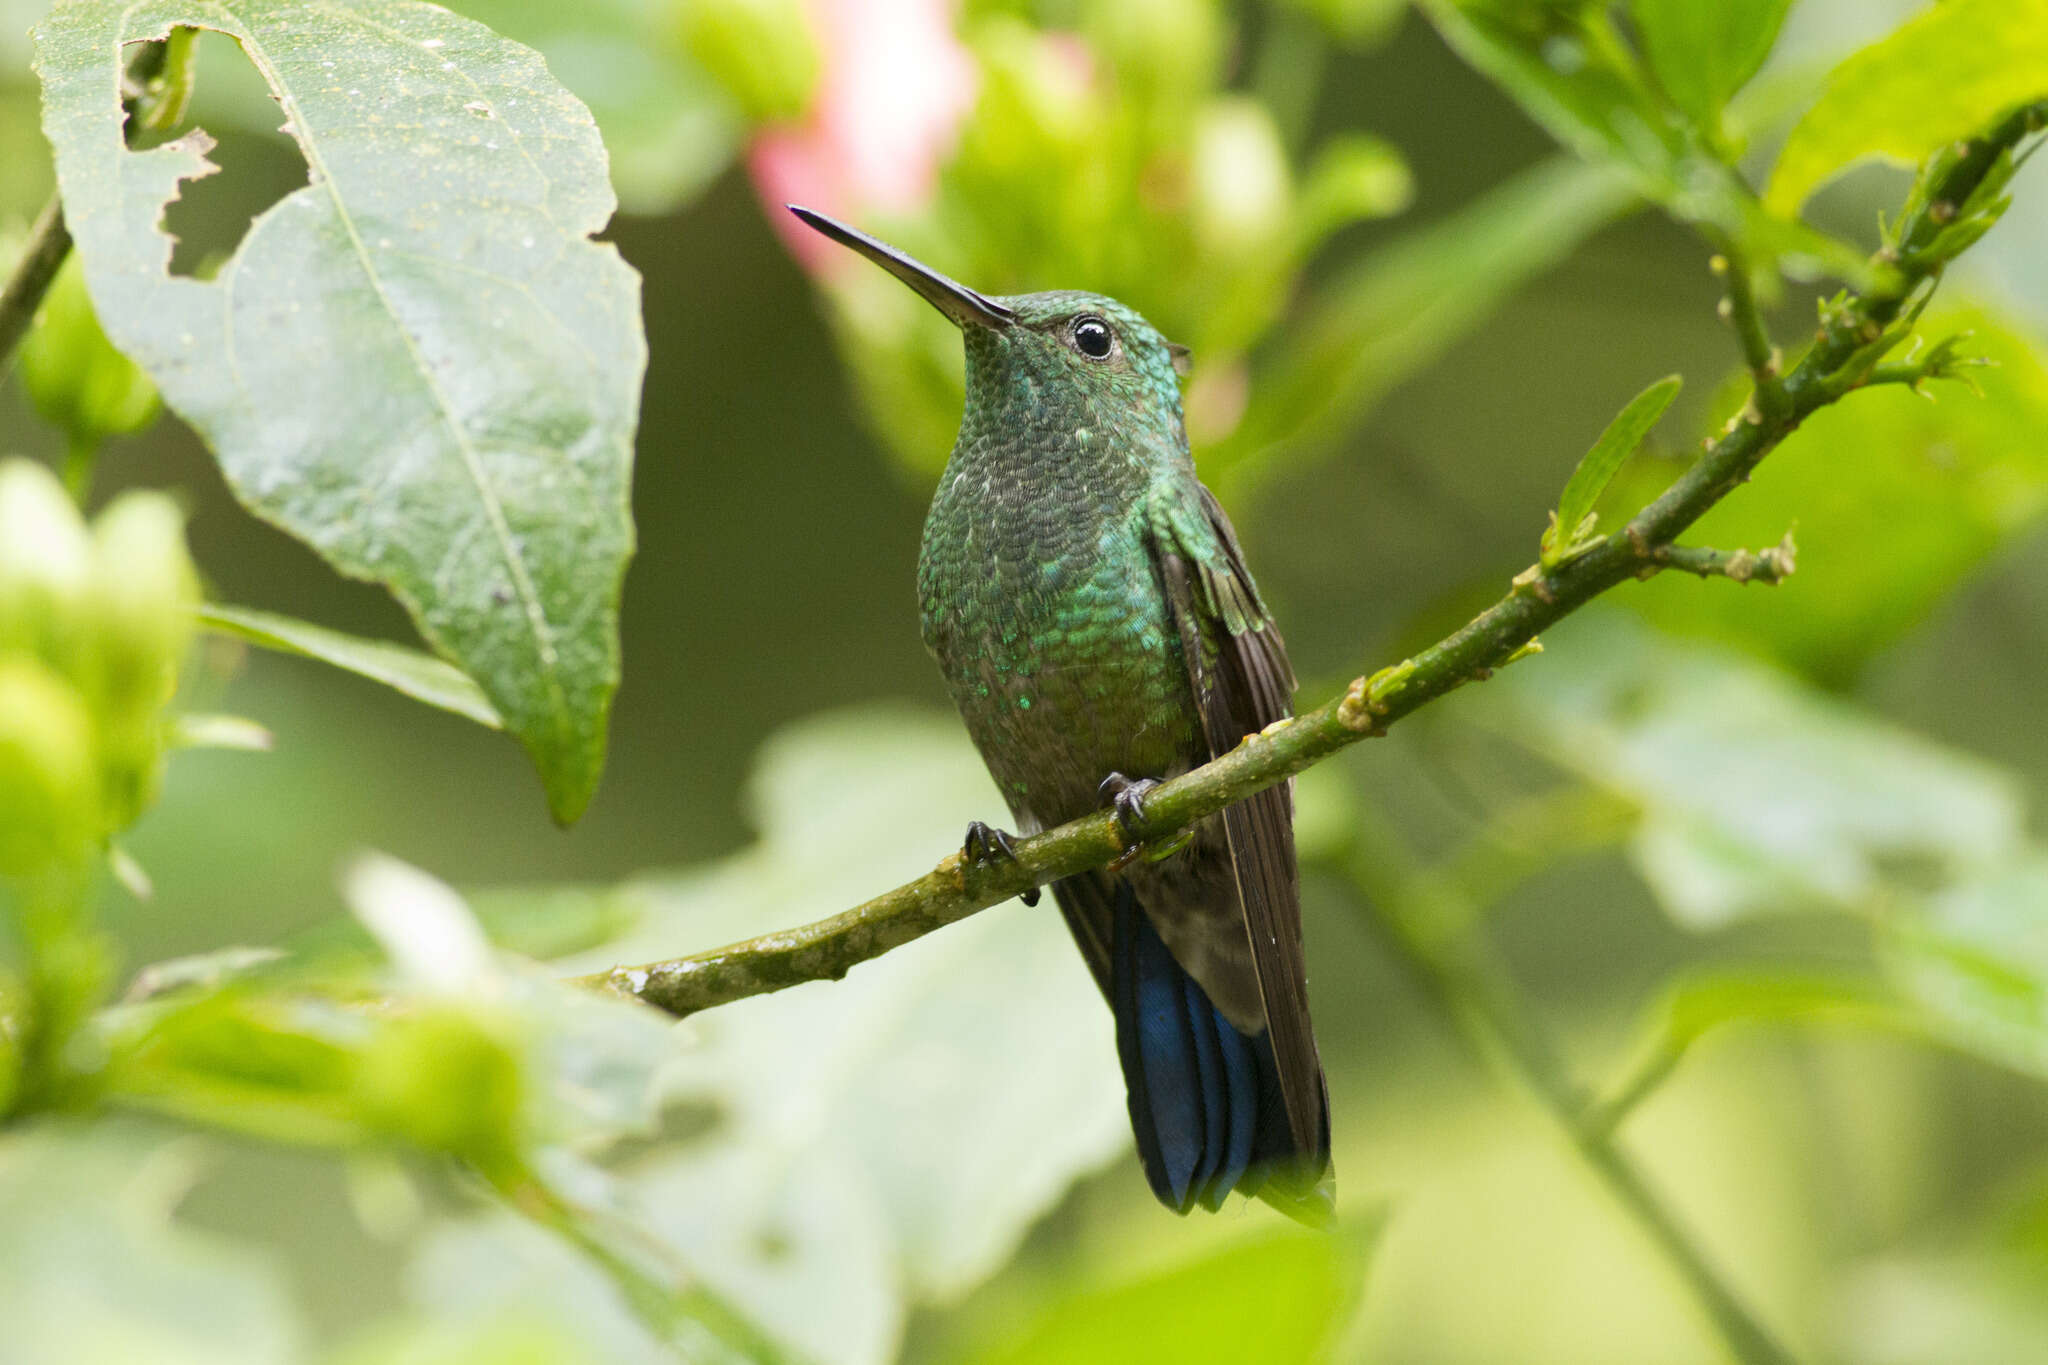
{"x":94,"y":623}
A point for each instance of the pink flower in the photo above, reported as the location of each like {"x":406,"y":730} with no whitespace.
{"x":896,"y":85}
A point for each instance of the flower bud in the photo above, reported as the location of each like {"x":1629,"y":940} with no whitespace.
{"x":140,"y":620}
{"x":49,"y":788}
{"x":45,"y":560}
{"x":73,"y":374}
{"x":762,"y":52}
{"x":1242,"y":192}
{"x":1354,"y":176}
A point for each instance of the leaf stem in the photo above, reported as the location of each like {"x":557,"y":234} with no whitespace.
{"x":1854,"y":333}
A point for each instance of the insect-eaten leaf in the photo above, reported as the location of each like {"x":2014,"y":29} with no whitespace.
{"x":419,"y":363}
{"x":1571,"y":526}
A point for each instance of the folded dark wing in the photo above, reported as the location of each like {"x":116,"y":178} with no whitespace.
{"x":1237,"y":665}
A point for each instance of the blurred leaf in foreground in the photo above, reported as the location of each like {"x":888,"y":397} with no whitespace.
{"x":1943,"y":76}
{"x":1977,"y":962}
{"x":467,"y":438}
{"x":1759,"y":795}
{"x":94,"y":1266}
{"x":1896,"y":500}
{"x":887,"y":1139}
{"x":1278,"y":1300}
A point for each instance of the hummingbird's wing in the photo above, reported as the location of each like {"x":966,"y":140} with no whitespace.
{"x":1237,"y":665}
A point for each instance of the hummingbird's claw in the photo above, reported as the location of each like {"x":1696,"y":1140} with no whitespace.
{"x":1126,"y":797}
{"x":985,"y":844}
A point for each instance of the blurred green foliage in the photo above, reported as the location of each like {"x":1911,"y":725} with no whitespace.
{"x":394,"y":1138}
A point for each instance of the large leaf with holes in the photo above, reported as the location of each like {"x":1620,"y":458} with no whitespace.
{"x":419,"y":363}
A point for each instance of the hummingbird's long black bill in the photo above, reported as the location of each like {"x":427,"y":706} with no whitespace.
{"x":950,"y":297}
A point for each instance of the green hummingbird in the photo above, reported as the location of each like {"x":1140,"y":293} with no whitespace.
{"x":1089,"y":605}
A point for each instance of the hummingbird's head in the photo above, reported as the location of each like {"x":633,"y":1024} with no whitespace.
{"x":1046,"y":351}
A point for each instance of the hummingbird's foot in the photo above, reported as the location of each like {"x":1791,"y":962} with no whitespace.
{"x":985,"y":844}
{"x":1126,"y":796}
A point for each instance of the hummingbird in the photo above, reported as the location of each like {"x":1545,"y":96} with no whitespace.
{"x":1088,"y":603}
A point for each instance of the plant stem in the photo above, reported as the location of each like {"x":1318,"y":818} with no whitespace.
{"x":1431,"y":931}
{"x":1854,"y":335}
{"x":48,"y":244}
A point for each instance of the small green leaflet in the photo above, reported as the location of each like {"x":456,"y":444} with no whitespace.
{"x":1571,"y":525}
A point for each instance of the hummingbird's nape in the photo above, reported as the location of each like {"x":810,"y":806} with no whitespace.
{"x":963,"y":305}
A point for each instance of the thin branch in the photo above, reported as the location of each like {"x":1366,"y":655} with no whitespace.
{"x":1852,"y":335}
{"x":1772,"y":566}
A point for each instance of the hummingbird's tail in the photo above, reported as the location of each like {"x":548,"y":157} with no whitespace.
{"x":1205,"y":1100}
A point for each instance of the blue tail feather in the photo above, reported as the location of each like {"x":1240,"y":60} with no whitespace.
{"x":1205,"y":1099}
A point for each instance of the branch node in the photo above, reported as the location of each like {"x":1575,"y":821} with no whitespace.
{"x":1355,"y":713}
{"x":1532,"y":581}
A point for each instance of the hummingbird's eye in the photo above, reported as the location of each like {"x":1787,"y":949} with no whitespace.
{"x":1093,"y":338}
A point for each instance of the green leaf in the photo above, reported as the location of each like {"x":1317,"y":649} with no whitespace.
{"x":1696,"y":1004}
{"x":1567,"y":536}
{"x":1278,"y":1300}
{"x":1391,"y":313}
{"x":1942,"y":77}
{"x":95,"y":1267}
{"x":1760,"y":796}
{"x":886,"y":1139}
{"x":1570,"y":76}
{"x":1897,"y":502}
{"x":419,"y":676}
{"x":1703,"y":53}
{"x":1977,"y":963}
{"x":419,"y":363}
